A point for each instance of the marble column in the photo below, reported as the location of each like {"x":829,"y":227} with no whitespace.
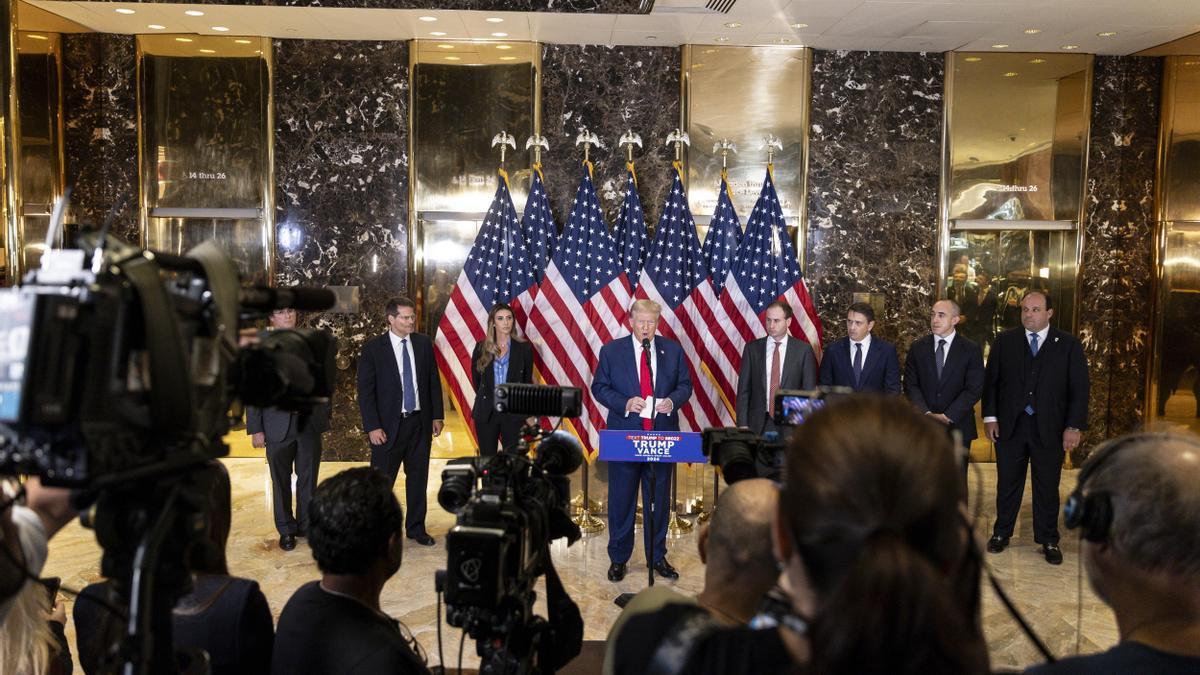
{"x":873,"y":173}
{"x":1116,"y":276}
{"x":608,"y":90}
{"x":341,"y":193}
{"x":100,"y":128}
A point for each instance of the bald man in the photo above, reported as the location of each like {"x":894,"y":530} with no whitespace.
{"x":740,"y":568}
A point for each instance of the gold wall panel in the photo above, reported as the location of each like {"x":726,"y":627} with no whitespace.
{"x":743,"y":94}
{"x":1180,"y":140}
{"x":9,"y":133}
{"x":39,"y":102}
{"x":1016,"y":130}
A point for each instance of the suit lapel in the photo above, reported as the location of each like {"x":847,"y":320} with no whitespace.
{"x":790,"y":364}
{"x":871,"y":360}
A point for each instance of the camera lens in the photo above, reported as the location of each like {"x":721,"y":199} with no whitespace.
{"x":457,"y":485}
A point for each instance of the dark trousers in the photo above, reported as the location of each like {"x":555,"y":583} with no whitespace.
{"x":489,"y":434}
{"x":1024,"y":449}
{"x":623,"y":481}
{"x":410,"y":448}
{"x":304,"y":453}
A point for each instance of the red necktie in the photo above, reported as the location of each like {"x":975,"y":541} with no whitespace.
{"x":647,"y":387}
{"x":776,"y":369}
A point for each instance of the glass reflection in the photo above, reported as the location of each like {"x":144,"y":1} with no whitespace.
{"x":1177,"y":404}
{"x":445,"y":242}
{"x":40,"y":149}
{"x":241,"y":238}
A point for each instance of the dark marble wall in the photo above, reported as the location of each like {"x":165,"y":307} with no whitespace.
{"x":609,"y":90}
{"x":1116,"y":281}
{"x":341,"y":192}
{"x":873,"y":172}
{"x":100,"y":128}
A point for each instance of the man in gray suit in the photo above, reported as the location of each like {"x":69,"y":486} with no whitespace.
{"x":778,"y":361}
{"x":291,"y":439}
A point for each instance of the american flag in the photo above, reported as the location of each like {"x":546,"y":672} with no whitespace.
{"x":498,"y":269}
{"x":676,"y":277}
{"x":580,"y":305}
{"x":537,"y":225}
{"x":764,"y":270}
{"x":724,"y":235}
{"x":630,"y":231}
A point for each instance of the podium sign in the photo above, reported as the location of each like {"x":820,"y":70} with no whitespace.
{"x":624,"y":445}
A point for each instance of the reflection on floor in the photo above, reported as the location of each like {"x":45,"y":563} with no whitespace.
{"x":1055,"y":600}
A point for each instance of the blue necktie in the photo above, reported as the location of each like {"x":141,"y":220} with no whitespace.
{"x":857,"y":363}
{"x":1033,"y":348}
{"x":410,"y":386}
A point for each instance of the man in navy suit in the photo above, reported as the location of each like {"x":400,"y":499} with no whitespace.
{"x":642,"y":380}
{"x":1035,"y":405}
{"x":860,"y":360}
{"x":943,"y":375}
{"x":400,"y":398}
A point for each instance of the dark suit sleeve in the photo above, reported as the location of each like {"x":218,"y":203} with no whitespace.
{"x":526,"y":374}
{"x":891,"y":371}
{"x":1078,"y":387}
{"x":683,"y":382}
{"x":808,"y":370}
{"x":741,"y":404}
{"x":254,"y":420}
{"x":602,"y":383}
{"x":912,"y":380}
{"x":826,"y":377}
{"x":434,"y":384}
{"x":991,"y":378}
{"x":972,"y":389}
{"x":475,"y":373}
{"x":367,"y":405}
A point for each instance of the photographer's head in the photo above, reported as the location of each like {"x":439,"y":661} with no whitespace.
{"x":1139,"y":512}
{"x":735,"y":547}
{"x":283,"y":319}
{"x":356,"y":526}
{"x":874,"y":545}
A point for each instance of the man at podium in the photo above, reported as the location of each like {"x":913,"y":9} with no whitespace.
{"x":642,"y":380}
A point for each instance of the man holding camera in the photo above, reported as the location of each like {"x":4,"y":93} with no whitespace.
{"x":778,"y":361}
{"x":642,"y":380}
{"x":292,"y":440}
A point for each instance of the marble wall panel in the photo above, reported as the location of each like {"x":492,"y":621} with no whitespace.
{"x":609,"y":90}
{"x":100,"y":128}
{"x":873,"y":172}
{"x":341,"y":192}
{"x":1116,"y":281}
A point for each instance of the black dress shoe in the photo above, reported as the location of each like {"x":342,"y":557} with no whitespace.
{"x":997,"y":544}
{"x":287,"y":542}
{"x":616,"y":572}
{"x":1053,"y":553}
{"x":422,"y":538}
{"x":664,"y":570}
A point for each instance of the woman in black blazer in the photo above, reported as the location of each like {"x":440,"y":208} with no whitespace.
{"x":502,"y":357}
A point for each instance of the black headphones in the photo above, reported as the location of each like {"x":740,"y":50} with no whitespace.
{"x":1093,"y":513}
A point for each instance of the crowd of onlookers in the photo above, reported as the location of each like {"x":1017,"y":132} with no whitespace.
{"x":862,"y":561}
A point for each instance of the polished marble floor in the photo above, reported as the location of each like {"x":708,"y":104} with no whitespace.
{"x":1055,"y":600}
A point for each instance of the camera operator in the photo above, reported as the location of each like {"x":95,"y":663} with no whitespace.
{"x":335,"y":625}
{"x":24,"y":533}
{"x":877,"y":555}
{"x":735,"y":547}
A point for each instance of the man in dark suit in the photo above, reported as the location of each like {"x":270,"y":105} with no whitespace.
{"x":778,"y":361}
{"x":1035,"y":400}
{"x":943,"y":375}
{"x":291,"y":440}
{"x":400,"y":398}
{"x":860,"y":360}
{"x":642,"y":380}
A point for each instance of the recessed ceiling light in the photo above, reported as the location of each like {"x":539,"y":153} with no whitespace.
{"x":453,"y":58}
{"x":194,"y":12}
{"x":499,"y":34}
{"x":651,"y":37}
{"x":508,"y":58}
{"x":1010,"y":74}
{"x":799,"y":25}
{"x":697,"y":65}
{"x":445,"y":46}
{"x":1186,"y":63}
{"x":1107,"y":33}
{"x":243,"y":42}
{"x":783,"y":41}
{"x":156,"y":26}
{"x":183,"y":39}
{"x":722,"y":39}
{"x":438,"y":33}
{"x":734,"y":24}
{"x":124,"y":10}
{"x":503,"y":46}
{"x":973,"y":59}
{"x":1000,"y":46}
{"x":35,"y":36}
{"x":427,"y":18}
{"x":710,"y":51}
{"x":1037,"y":61}
{"x":208,"y":51}
{"x":1032,"y":31}
{"x":220,"y":29}
{"x":494,"y":19}
{"x":1070,"y":46}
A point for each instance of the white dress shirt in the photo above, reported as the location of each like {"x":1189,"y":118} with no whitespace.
{"x":1041,"y":343}
{"x":866,"y":343}
{"x":400,"y":366}
{"x":949,"y":341}
{"x":782,"y":359}
{"x":637,"y":364}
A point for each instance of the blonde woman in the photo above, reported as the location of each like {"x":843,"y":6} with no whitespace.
{"x":502,"y":357}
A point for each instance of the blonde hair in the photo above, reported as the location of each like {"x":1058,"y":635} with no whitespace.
{"x":490,"y":349}
{"x":26,"y":643}
{"x":646,"y":306}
